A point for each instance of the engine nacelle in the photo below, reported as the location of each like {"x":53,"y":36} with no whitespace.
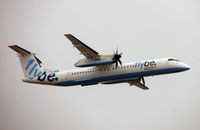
{"x":121,"y":81}
{"x":101,"y":60}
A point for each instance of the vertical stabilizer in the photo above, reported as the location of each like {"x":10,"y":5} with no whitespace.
{"x":29,"y":62}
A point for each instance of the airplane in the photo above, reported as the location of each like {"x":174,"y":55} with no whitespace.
{"x":96,"y":68}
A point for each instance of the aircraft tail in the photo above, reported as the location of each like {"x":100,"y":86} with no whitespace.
{"x":29,"y":62}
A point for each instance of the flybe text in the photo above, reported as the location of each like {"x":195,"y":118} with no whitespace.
{"x":34,"y":71}
{"x":141,"y":65}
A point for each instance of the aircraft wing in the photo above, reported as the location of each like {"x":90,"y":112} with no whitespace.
{"x":83,"y":48}
{"x":138,"y":84}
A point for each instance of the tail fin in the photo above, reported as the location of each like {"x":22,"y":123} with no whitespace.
{"x":30,"y":63}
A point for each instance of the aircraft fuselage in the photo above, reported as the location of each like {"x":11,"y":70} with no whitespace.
{"x":109,"y":73}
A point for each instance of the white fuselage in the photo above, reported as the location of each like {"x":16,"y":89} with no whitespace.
{"x":100,"y":74}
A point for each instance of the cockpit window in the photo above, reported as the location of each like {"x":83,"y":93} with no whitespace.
{"x":172,"y":59}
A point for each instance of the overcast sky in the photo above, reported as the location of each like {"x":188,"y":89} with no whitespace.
{"x":142,"y":29}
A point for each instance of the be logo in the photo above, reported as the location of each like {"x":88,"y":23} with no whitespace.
{"x":41,"y":76}
{"x":50,"y":77}
{"x":145,"y":64}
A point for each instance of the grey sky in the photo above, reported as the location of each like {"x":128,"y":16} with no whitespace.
{"x":142,"y":29}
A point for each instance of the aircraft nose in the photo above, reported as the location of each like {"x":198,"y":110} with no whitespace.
{"x":186,"y":67}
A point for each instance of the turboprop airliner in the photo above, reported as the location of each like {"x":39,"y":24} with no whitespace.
{"x":96,"y":68}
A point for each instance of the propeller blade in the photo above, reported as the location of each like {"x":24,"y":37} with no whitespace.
{"x":116,"y":64}
{"x":120,"y":62}
{"x":113,"y":51}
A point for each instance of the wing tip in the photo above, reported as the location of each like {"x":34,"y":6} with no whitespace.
{"x":68,"y":35}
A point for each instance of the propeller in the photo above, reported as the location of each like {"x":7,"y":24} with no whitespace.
{"x":142,"y":78}
{"x":116,"y":58}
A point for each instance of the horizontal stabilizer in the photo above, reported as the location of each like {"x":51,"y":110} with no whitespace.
{"x":23,"y":52}
{"x":19,"y":50}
